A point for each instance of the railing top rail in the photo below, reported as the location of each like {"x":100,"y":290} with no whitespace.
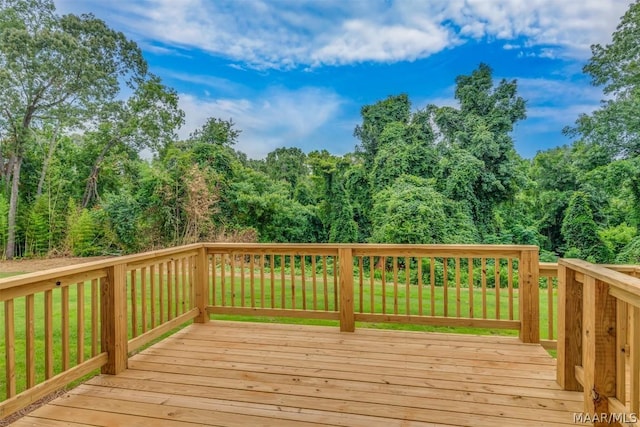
{"x":72,"y":270}
{"x":462,"y":248}
{"x":614,"y":278}
{"x":362,"y":248}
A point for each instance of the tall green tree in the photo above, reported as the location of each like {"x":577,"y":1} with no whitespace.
{"x":375,"y":118}
{"x":335,"y":209}
{"x":616,"y":67}
{"x":54,"y":68}
{"x":413,"y":211}
{"x":580,"y":231}
{"x":287,"y":164}
{"x":481,"y":126}
{"x":148,"y":119}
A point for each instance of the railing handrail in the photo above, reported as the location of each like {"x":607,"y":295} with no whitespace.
{"x":484,"y":247}
{"x":550,"y":269}
{"x":606,"y":274}
{"x":54,"y":273}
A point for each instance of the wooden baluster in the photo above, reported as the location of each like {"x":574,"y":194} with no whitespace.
{"x":9,"y":346}
{"x":30,"y":346}
{"x":80,"y":323}
{"x":65,"y":327}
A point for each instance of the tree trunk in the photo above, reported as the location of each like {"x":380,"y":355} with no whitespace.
{"x":47,"y":162}
{"x":13,"y":208}
{"x":9,"y":170}
{"x":91,"y":189}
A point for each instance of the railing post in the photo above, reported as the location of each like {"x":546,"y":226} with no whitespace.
{"x":347,"y":321}
{"x":201,"y":283}
{"x":529,"y":296}
{"x":599,"y":346}
{"x":114,"y":319}
{"x":569,"y":350}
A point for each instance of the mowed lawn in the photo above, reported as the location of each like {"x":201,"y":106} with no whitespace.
{"x":387,"y":299}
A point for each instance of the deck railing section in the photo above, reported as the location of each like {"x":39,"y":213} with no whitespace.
{"x":599,"y":337}
{"x":449,"y":285}
{"x":161,"y":295}
{"x":63,"y":324}
{"x":548,"y":298}
{"x":273,"y":280}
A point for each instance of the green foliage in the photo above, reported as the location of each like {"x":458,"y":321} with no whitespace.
{"x":581,"y":232}
{"x":216,"y":132}
{"x":266,"y":206}
{"x":82,"y":231}
{"x":618,"y":237}
{"x":122,"y":212}
{"x":374,"y":120}
{"x":630,"y":254}
{"x":616,"y":67}
{"x":480,"y":129}
{"x":412,"y":211}
{"x":38,"y":228}
{"x":287,"y":164}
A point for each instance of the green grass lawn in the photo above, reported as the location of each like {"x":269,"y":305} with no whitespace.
{"x":388,"y":300}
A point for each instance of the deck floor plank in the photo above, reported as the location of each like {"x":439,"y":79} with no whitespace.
{"x":235,"y":374}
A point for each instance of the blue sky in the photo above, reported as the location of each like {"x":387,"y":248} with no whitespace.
{"x":296,"y":73}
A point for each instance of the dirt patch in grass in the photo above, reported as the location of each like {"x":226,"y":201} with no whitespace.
{"x":40,"y":264}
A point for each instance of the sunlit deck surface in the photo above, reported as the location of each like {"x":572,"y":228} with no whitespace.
{"x":255,"y":374}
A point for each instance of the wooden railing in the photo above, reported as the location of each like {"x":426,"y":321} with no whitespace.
{"x":69,"y":322}
{"x":599,"y":338}
{"x":548,"y":272}
{"x":66,"y":323}
{"x":448,"y":285}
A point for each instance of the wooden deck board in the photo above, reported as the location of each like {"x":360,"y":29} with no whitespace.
{"x":237,"y":374}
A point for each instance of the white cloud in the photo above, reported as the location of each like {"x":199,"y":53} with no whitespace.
{"x":288,"y":33}
{"x":276,"y":118}
{"x":220,"y":84}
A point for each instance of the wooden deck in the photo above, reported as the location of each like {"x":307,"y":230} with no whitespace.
{"x":252,"y":374}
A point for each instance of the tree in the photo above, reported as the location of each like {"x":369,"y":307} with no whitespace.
{"x":287,"y":164}
{"x":616,"y":67}
{"x":580,"y":231}
{"x":148,"y":119}
{"x":335,"y":209}
{"x":266,"y":206}
{"x":375,"y":118}
{"x":57,"y":69}
{"x":481,"y":127}
{"x":413,"y":211}
{"x":216,"y":131}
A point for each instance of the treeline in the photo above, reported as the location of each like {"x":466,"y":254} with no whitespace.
{"x":72,"y":180}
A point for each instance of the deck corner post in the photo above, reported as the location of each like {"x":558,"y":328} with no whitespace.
{"x":529,"y":300}
{"x":598,"y":345}
{"x":201,"y":282}
{"x":569,"y":350}
{"x":347,"y":316}
{"x":114,"y":319}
